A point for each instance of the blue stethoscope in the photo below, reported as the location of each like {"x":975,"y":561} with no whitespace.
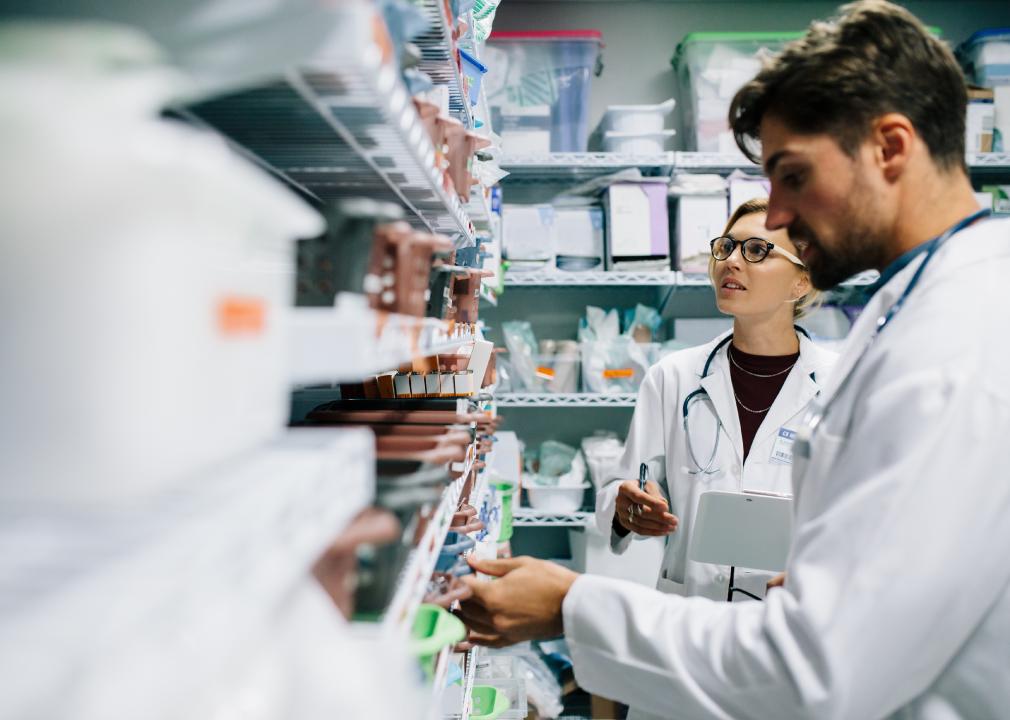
{"x":702,"y":394}
{"x":818,"y":410}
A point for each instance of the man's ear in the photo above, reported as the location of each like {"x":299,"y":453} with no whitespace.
{"x":892,"y":137}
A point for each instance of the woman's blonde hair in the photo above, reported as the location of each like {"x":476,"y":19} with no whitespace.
{"x":806,"y":304}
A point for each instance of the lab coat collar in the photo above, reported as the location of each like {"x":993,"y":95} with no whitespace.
{"x":719,"y":387}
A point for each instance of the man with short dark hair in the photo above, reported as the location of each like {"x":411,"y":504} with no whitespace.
{"x":897,"y":597}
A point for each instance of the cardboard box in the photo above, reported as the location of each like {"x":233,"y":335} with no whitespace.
{"x":980,"y":120}
{"x":700,"y":218}
{"x":638,"y":226}
{"x":528,"y":232}
{"x":578,"y":232}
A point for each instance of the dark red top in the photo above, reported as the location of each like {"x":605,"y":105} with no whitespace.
{"x":756,"y":393}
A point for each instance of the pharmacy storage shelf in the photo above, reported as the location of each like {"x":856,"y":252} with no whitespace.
{"x":546,"y":400}
{"x":721,"y":163}
{"x":343,"y":125}
{"x":439,"y":58}
{"x":571,"y":279}
{"x":177,"y":586}
{"x":985,"y":165}
{"x":417,"y":571}
{"x":978,"y":163}
{"x":528,"y":517}
{"x":582,"y":166}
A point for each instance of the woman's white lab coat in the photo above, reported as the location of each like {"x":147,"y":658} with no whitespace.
{"x":897,"y":602}
{"x":657,"y":429}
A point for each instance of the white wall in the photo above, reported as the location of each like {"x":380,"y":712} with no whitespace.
{"x":641,"y":37}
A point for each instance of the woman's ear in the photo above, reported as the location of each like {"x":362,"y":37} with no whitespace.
{"x":802,"y":285}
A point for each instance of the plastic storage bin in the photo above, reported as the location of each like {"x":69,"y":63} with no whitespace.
{"x":711,"y":67}
{"x":637,"y":143}
{"x":509,"y":699}
{"x":434,"y":629}
{"x":637,"y":118}
{"x":985,"y":57}
{"x":556,"y":498}
{"x":538,"y":88}
{"x":487,"y":702}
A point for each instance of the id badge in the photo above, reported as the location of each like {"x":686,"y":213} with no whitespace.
{"x":782,"y":450}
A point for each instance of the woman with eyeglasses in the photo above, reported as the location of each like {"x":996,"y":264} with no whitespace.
{"x":721,"y":416}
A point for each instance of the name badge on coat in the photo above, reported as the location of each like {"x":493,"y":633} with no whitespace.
{"x":782,"y":450}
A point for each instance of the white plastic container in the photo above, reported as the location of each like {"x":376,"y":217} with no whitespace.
{"x":637,"y":143}
{"x":637,"y":118}
{"x":556,"y":498}
{"x":147,"y":271}
{"x":985,"y":57}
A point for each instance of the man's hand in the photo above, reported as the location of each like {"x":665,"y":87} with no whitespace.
{"x":644,"y":512}
{"x":523,"y":603}
{"x":777,"y":581}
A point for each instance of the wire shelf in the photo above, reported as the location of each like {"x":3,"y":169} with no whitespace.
{"x":546,"y":400}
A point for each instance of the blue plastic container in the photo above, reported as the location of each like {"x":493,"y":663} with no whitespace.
{"x":474,"y":71}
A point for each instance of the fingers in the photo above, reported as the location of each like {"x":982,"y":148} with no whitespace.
{"x":492,"y":640}
{"x":475,"y":617}
{"x":624,"y":507}
{"x":777,"y":581}
{"x":496,"y":568}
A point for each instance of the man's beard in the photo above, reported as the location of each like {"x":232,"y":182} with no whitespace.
{"x":858,"y":247}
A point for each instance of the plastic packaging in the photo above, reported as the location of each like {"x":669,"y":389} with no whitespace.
{"x":488,"y":702}
{"x":522,"y":347}
{"x":615,"y":366}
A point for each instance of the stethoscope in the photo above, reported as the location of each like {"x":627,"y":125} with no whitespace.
{"x":702,"y":394}
{"x":818,"y":410}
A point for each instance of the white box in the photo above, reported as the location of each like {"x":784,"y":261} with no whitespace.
{"x":579,"y":231}
{"x":528,"y":232}
{"x":526,"y":130}
{"x":699,"y":219}
{"x":638,"y":226}
{"x":742,"y":189}
{"x":978,"y":127}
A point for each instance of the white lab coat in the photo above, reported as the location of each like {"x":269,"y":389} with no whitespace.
{"x":657,"y":428}
{"x":897,"y":601}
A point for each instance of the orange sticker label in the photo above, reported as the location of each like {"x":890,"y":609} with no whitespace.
{"x":618,"y":373}
{"x":241,"y":316}
{"x":545,"y":372}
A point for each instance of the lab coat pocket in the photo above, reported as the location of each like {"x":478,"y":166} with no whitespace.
{"x":669,"y":587}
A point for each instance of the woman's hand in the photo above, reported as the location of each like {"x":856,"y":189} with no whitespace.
{"x":644,"y":512}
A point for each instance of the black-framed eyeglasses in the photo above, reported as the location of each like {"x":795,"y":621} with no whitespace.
{"x":753,"y":249}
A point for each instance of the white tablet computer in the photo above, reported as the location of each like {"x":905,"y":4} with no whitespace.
{"x":745,"y":530}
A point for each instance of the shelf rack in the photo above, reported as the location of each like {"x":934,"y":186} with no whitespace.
{"x":541,"y":400}
{"x":561,"y":278}
{"x":528,"y":517}
{"x":343,"y":125}
{"x":582,"y":166}
{"x":626,"y":279}
{"x":440,"y":60}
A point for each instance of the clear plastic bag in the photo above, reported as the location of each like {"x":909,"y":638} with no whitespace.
{"x":522,"y":347}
